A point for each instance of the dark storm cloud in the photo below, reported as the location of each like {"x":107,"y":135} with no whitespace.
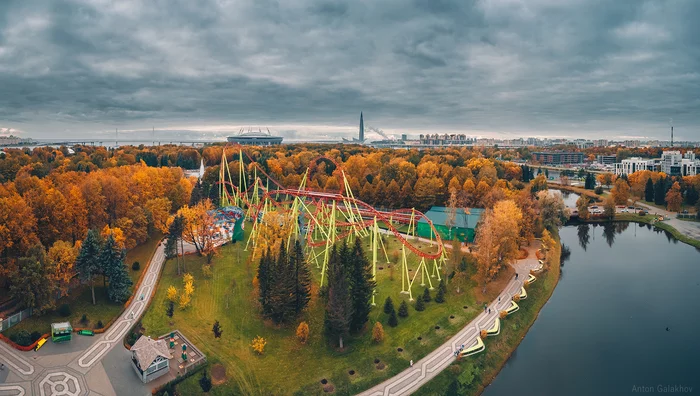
{"x":539,"y":67}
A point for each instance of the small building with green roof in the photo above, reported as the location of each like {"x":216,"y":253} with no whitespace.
{"x":464,"y":228}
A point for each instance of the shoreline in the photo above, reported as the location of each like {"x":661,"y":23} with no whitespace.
{"x":647,"y":219}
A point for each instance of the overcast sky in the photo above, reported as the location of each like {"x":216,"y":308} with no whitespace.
{"x":305,"y":69}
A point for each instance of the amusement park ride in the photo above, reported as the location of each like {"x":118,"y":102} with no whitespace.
{"x":320,"y":219}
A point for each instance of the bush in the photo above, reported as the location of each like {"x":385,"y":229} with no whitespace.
{"x":483,"y":334}
{"x":22,"y":338}
{"x":516,"y":298}
{"x":599,"y":190}
{"x":426,"y":295}
{"x":303,"y":332}
{"x":503,"y":314}
{"x":205,"y":382}
{"x":64,"y":310}
{"x":388,"y":306}
{"x":136,"y":266}
{"x":377,"y":332}
{"x":420,"y":305}
{"x":393,"y":320}
{"x":442,"y":289}
{"x":99,"y":325}
{"x":206,"y":271}
{"x":83,"y":319}
{"x":259,"y":345}
{"x":403,"y":309}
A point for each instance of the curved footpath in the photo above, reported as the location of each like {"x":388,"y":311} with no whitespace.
{"x":75,"y":368}
{"x":409,"y":380}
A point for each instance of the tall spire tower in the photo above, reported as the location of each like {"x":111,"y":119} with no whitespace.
{"x":362,"y":128}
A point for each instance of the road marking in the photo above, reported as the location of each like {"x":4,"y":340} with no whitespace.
{"x":4,"y":389}
{"x":6,"y":352}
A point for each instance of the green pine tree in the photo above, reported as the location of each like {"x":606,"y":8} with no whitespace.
{"x":649,"y":190}
{"x":393,"y":320}
{"x":339,"y":307}
{"x":403,"y":309}
{"x":264,"y":281}
{"x":302,"y":284}
{"x":660,"y":192}
{"x":112,"y":262}
{"x":87,"y":264}
{"x":388,"y":306}
{"x":281,"y":289}
{"x":426,"y":295}
{"x":442,"y":289}
{"x":361,"y":286}
{"x":420,"y":304}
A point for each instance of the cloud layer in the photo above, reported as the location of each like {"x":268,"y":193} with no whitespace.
{"x":487,"y":67}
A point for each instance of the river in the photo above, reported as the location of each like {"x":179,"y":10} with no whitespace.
{"x":624,"y":319}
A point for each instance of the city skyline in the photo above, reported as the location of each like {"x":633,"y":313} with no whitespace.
{"x":493,"y":69}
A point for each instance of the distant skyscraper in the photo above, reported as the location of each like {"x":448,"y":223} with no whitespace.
{"x":362,"y":128}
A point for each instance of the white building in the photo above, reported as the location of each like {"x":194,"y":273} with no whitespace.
{"x":630,"y":165}
{"x":672,"y":163}
{"x":150,"y":358}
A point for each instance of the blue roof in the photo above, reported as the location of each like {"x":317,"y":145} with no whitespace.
{"x":438,"y":215}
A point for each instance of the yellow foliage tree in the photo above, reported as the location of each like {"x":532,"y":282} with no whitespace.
{"x":185,"y":300}
{"x":199,"y":226}
{"x":171,"y":294}
{"x":62,"y":256}
{"x":259,"y":345}
{"x":377,"y":332}
{"x":621,"y":192}
{"x":189,"y":288}
{"x":117,"y":233}
{"x":271,"y":231}
{"x":187,"y":278}
{"x":674,"y":199}
{"x":303,"y":332}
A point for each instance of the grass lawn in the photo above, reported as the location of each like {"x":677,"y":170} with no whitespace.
{"x":487,"y":364}
{"x":287,"y":367}
{"x":80,"y":299}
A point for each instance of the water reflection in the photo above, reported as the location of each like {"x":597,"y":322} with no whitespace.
{"x":584,"y":236}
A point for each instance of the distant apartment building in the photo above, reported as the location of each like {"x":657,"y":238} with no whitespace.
{"x":630,"y":165}
{"x":558,"y":157}
{"x":600,"y":143}
{"x":672,"y":163}
{"x":676,"y":164}
{"x":583,"y":144}
{"x":606,"y":159}
{"x":10,"y":140}
{"x":446,"y":140}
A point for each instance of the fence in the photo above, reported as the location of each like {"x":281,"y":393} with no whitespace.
{"x":689,"y":216}
{"x":6,"y":323}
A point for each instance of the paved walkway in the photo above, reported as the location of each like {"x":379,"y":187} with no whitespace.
{"x":409,"y":380}
{"x":75,"y":368}
{"x":690,"y":229}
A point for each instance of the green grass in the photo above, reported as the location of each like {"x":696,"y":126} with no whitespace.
{"x":500,"y":347}
{"x":287,"y":367}
{"x":80,"y":299}
{"x":142,"y":253}
{"x":80,"y":303}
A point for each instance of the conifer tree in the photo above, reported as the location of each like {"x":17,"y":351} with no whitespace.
{"x":339,"y":307}
{"x":170,"y":310}
{"x":302,"y":283}
{"x":660,"y":191}
{"x":197,"y":193}
{"x":388,"y":306}
{"x":426,"y":295}
{"x":112,"y":261}
{"x":649,"y":190}
{"x":420,"y":305}
{"x":264,"y":281}
{"x":393,"y":320}
{"x":88,"y":264}
{"x":281,"y":288}
{"x":403,"y":309}
{"x":217,"y":329}
{"x":361,"y":286}
{"x":442,"y":289}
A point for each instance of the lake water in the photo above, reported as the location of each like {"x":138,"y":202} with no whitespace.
{"x":604,"y":330}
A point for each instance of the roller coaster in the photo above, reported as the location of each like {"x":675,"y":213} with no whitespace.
{"x":320,"y":219}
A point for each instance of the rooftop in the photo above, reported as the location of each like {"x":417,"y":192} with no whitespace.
{"x":148,"y":349}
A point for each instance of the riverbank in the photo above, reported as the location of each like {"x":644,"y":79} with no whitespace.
{"x":648,"y":219}
{"x":472,"y":375}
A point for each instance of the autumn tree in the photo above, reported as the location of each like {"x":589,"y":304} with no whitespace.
{"x":674,"y":199}
{"x":377,"y":332}
{"x":621,"y":191}
{"x":198,"y":227}
{"x":61,"y":258}
{"x":88,"y":263}
{"x":606,"y":179}
{"x":31,"y":285}
{"x":497,"y":241}
{"x":552,"y":209}
{"x":609,"y":207}
{"x":303,"y":332}
{"x":582,"y":206}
